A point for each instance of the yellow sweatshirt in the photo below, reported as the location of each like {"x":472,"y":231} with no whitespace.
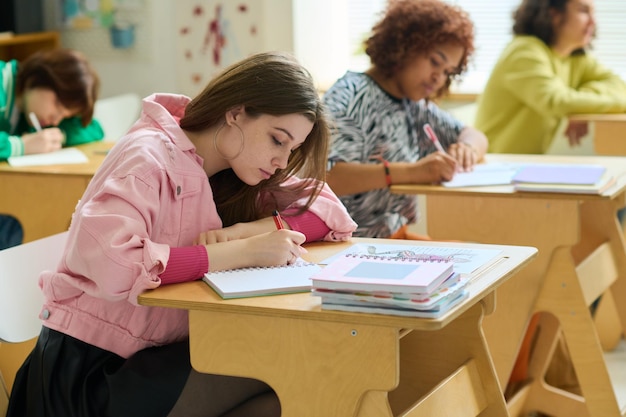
{"x":531,"y":90}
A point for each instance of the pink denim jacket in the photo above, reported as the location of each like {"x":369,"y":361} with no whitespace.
{"x":150,"y":193}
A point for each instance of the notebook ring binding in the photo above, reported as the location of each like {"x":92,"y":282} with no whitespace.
{"x":256,"y":268}
{"x":417,"y":258}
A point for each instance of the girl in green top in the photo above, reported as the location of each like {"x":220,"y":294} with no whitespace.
{"x":60,"y":88}
{"x":543,"y":75}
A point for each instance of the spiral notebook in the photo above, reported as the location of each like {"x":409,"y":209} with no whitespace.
{"x":254,"y":282}
{"x":379,"y":273}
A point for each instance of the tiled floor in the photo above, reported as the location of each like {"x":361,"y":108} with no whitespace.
{"x":616,"y":363}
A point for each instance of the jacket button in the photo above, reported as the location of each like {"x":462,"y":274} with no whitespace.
{"x":45,"y":314}
{"x":178,"y":190}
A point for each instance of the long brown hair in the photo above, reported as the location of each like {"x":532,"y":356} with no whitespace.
{"x":270,"y":83}
{"x":67,"y":73}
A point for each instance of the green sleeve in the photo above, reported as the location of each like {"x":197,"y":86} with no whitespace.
{"x":76,"y":134}
{"x":542,"y":82}
{"x":596,"y":78}
{"x":5,"y":146}
{"x":10,"y":146}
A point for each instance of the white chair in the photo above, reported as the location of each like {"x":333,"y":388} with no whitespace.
{"x":20,"y":296}
{"x":117,"y":114}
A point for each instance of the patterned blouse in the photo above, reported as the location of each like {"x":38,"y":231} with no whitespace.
{"x":370,"y":124}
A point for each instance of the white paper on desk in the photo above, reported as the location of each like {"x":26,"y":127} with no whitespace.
{"x":63,"y":156}
{"x":485,"y":174}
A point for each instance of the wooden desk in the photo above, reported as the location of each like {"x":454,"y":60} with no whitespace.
{"x":609,"y":132}
{"x":581,"y":254}
{"x":21,"y":46}
{"x":330,"y":363}
{"x":609,"y":138}
{"x":43,"y":198}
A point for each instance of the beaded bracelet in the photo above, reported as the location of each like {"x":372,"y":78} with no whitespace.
{"x":387,"y":172}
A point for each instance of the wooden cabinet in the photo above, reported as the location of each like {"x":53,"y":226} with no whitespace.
{"x":21,"y":46}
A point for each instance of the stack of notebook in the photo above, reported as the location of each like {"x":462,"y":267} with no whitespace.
{"x":538,"y":177}
{"x":579,"y":179}
{"x":389,"y":285}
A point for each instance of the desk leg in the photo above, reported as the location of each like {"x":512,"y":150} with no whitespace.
{"x":600,"y":224}
{"x":562,"y":296}
{"x":317,"y":368}
{"x":537,"y":394}
{"x":430,"y":357}
{"x":546,"y":224}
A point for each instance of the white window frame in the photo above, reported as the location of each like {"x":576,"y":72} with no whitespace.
{"x":328,"y":36}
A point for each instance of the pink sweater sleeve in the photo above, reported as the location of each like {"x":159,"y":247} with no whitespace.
{"x":307,"y":223}
{"x":327,"y":207}
{"x":185,"y":264}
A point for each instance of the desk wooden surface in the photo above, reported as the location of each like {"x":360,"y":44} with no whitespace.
{"x":581,"y":255}
{"x":21,"y":46}
{"x":609,"y":132}
{"x":43,"y":198}
{"x":199,"y":296}
{"x":347,"y":364}
{"x":616,"y":165}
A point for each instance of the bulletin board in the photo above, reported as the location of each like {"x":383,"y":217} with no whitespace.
{"x":211,"y":35}
{"x":108,"y":29}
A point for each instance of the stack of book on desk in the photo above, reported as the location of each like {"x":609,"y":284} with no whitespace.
{"x":538,"y":177}
{"x":579,"y":179}
{"x":389,"y":285}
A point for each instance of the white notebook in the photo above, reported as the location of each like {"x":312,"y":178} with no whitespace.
{"x":60,"y":157}
{"x":253,"y":282}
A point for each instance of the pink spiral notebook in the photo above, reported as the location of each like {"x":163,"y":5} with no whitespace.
{"x":376,"y":273}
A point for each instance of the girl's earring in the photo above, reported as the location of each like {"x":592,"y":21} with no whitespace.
{"x":220,"y":153}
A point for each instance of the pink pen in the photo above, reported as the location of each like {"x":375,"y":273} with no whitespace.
{"x":431,"y":134}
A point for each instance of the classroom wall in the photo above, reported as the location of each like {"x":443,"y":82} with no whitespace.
{"x":168,"y":53}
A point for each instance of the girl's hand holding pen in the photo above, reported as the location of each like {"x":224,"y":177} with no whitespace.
{"x":435,"y":168}
{"x":281,"y":247}
{"x":263,"y":243}
{"x":42,"y":141}
{"x":280,"y":225}
{"x":47,"y":140}
{"x":465,"y":154}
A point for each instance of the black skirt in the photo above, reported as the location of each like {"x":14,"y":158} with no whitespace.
{"x":65,"y":377}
